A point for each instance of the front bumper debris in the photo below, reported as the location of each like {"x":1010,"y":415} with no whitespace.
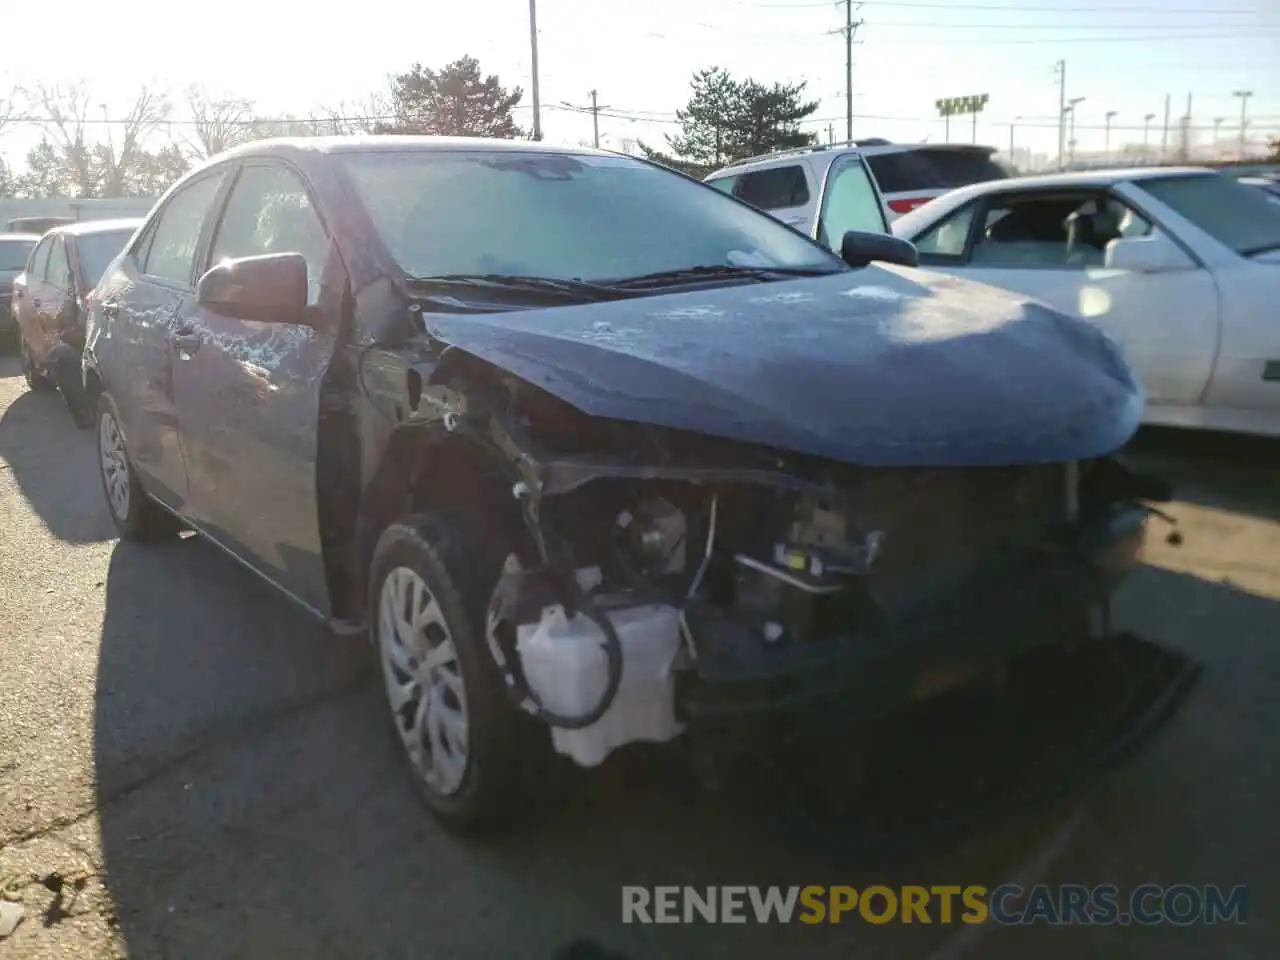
{"x":1042,"y":596}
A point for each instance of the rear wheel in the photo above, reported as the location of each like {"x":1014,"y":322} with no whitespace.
{"x":476,"y":761}
{"x":136,"y":515}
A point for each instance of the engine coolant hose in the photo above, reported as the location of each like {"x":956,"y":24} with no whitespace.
{"x":527,"y":698}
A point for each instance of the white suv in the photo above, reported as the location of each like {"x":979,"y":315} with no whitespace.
{"x":790,"y":184}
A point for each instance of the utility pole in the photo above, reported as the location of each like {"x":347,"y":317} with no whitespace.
{"x":1146,"y":133}
{"x":1106,"y":143}
{"x":831,"y":133}
{"x":850,"y":28}
{"x":533,"y":64}
{"x":1217,"y":124}
{"x":594,"y":110}
{"x":1011,"y":125}
{"x":1164,"y":139}
{"x":1061,"y":70}
{"x":1244,"y":96}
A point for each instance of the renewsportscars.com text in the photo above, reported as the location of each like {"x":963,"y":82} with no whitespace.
{"x":1007,"y":904}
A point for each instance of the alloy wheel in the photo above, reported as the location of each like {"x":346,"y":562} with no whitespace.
{"x":423,"y":679}
{"x":115,"y":466}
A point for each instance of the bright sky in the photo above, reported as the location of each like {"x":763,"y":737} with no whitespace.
{"x":1123,"y":56}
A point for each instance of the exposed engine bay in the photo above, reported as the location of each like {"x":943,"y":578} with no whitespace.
{"x":669,"y":577}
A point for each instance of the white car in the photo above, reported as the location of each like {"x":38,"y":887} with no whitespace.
{"x":1180,"y":266}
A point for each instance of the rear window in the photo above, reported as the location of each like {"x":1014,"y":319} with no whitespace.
{"x":773,"y":189}
{"x":97,"y":250}
{"x":14,"y":253}
{"x":937,"y":169}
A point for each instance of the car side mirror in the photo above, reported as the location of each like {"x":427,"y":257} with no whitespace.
{"x":859,"y":248}
{"x":1154,"y":253}
{"x":270,"y":289}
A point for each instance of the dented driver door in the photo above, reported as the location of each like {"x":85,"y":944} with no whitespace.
{"x":248,"y":394}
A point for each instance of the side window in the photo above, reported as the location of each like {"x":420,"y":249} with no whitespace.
{"x":774,"y":189}
{"x":39,"y":259}
{"x":172,"y":252}
{"x":270,"y":212}
{"x":724,"y":184}
{"x":850,"y":203}
{"x":58,"y":272}
{"x":1054,"y":231}
{"x":947,"y":238}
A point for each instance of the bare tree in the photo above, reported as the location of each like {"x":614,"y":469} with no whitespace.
{"x":219,"y":124}
{"x":100,"y":167}
{"x":149,"y":111}
{"x":66,"y":115}
{"x":11,"y":105}
{"x":355,"y":116}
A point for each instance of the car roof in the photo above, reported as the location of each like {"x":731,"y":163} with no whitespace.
{"x":10,"y":237}
{"x":384,"y":143}
{"x":82,"y":227}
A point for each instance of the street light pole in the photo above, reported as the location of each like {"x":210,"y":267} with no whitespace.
{"x":1106,"y":143}
{"x":1244,"y":96}
{"x":533,"y":65}
{"x":1146,"y":133}
{"x":1072,"y":105}
{"x":1015,"y":120}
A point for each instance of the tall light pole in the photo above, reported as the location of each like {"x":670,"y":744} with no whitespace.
{"x":1106,"y":143}
{"x":1015,"y":120}
{"x":1146,"y":133}
{"x":1244,"y":96}
{"x":533,"y":65}
{"x":1071,"y":135}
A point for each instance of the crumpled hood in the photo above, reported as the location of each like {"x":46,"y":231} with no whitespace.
{"x":882,"y":366}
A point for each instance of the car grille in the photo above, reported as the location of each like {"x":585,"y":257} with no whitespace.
{"x":939,"y":525}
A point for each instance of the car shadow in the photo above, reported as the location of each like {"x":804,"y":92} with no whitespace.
{"x":1217,"y":470}
{"x":54,"y":464}
{"x":251,"y":803}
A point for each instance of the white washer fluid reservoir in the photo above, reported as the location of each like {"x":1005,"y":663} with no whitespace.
{"x":565,"y":665}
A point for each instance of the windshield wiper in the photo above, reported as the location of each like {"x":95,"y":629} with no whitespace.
{"x":577,"y":291}
{"x":724,"y":271}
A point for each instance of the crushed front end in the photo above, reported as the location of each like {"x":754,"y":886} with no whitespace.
{"x":671,"y":580}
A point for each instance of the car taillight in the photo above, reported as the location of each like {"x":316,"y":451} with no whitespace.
{"x":906,"y":206}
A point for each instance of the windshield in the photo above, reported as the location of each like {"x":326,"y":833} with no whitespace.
{"x":14,"y":253}
{"x":1226,"y":210}
{"x":562,"y":217}
{"x":97,"y":250}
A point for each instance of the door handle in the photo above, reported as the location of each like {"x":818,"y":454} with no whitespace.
{"x":188,"y":341}
{"x":110,"y":308}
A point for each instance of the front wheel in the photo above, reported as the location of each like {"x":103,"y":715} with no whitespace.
{"x":136,"y":515}
{"x":472,"y":755}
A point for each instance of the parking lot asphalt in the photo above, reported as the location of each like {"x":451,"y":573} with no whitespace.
{"x":191,"y":768}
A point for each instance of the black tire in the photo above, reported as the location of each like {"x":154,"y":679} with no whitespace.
{"x":510,"y":767}
{"x":143,"y":519}
{"x":37,"y":382}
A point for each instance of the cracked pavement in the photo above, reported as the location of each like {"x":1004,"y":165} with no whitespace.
{"x":191,"y":768}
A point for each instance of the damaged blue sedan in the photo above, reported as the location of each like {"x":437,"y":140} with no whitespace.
{"x":596,"y":454}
